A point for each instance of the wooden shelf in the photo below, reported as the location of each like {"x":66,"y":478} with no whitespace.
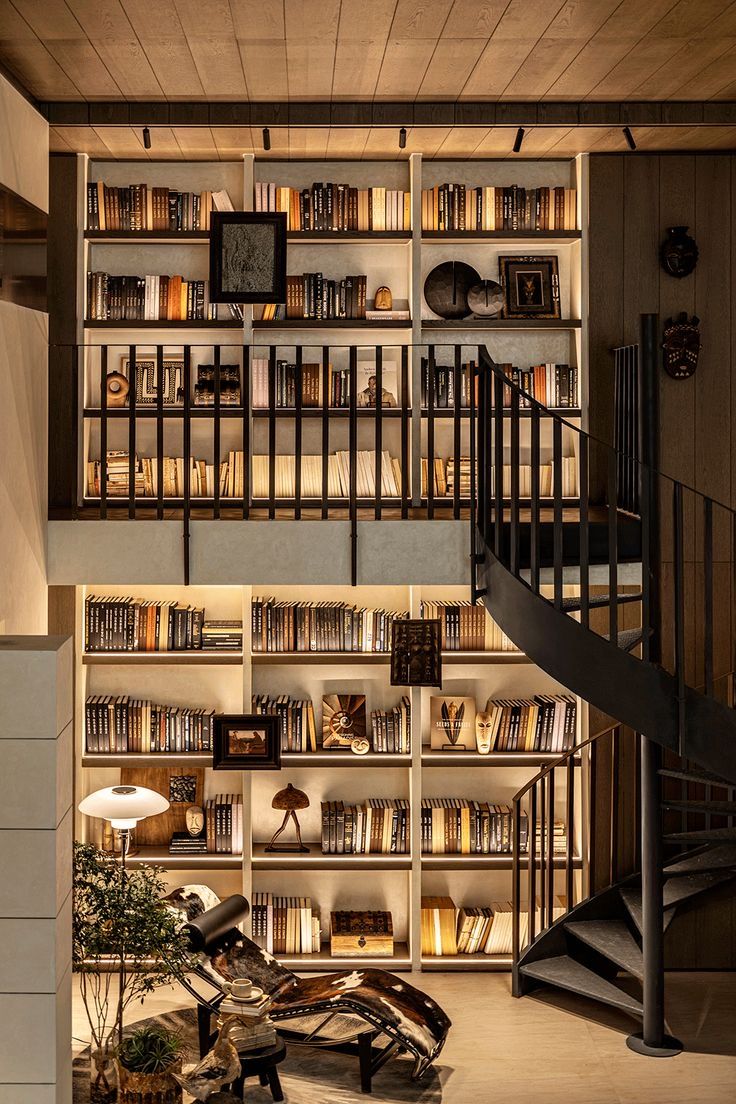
{"x":331,"y":324}
{"x":501,"y":324}
{"x":195,"y":658}
{"x":186,"y":237}
{"x":399,"y":960}
{"x":197,"y":324}
{"x":344,"y":237}
{"x":485,"y":862}
{"x":169,"y":412}
{"x":316,"y":658}
{"x":343,"y":759}
{"x":444,"y":759}
{"x":513,"y":237}
{"x":449,"y":413}
{"x":315,"y":860}
{"x":159,"y":856}
{"x":150,"y":759}
{"x":467,"y":962}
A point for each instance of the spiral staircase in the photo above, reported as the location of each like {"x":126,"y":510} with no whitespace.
{"x":649,"y":654}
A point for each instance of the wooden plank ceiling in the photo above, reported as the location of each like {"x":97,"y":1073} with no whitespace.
{"x":370,"y":50}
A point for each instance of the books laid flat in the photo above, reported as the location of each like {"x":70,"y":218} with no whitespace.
{"x":119,"y":724}
{"x":466,"y":627}
{"x":319,"y":627}
{"x":378,"y":826}
{"x":286,"y":925}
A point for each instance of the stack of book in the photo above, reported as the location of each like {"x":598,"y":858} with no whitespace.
{"x":312,"y":296}
{"x":443,"y":478}
{"x":296,"y":720}
{"x":378,"y":826}
{"x":147,"y":299}
{"x":460,"y":826}
{"x":201,"y":478}
{"x":224,"y":636}
{"x":319,"y":627}
{"x":223,"y":818}
{"x":559,"y":837}
{"x":466,"y":627}
{"x":459,"y":207}
{"x":116,"y":725}
{"x":544,"y":723}
{"x":182,"y":843}
{"x":285,"y":925}
{"x":142,"y":207}
{"x":252,"y":1029}
{"x":438,"y":926}
{"x":135,"y":625}
{"x":391,"y":729}
{"x":118,"y":470}
{"x":337,"y":207}
{"x":443,"y":392}
{"x":499,"y":939}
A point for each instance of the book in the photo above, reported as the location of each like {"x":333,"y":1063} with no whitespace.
{"x":378,"y":825}
{"x":319,"y":627}
{"x":223,"y":815}
{"x":286,"y":925}
{"x":117,"y":724}
{"x":438,"y":926}
{"x":326,"y":206}
{"x":296,"y":720}
{"x":466,"y":627}
{"x":462,"y":826}
{"x":122,"y":624}
{"x":452,"y":723}
{"x":154,"y":298}
{"x":454,"y":207}
{"x":343,"y":720}
{"x":143,"y":207}
{"x":367,"y":382}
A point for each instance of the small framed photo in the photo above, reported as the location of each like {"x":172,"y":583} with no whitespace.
{"x":246,"y":743}
{"x":416,"y":653}
{"x":531,"y":287}
{"x":248,"y":257}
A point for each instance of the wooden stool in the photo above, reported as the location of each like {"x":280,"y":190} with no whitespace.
{"x":262,"y":1064}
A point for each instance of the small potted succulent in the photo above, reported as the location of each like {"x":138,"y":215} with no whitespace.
{"x":145,"y":1062}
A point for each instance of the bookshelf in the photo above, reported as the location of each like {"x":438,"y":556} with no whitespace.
{"x":395,"y":882}
{"x":400,"y":259}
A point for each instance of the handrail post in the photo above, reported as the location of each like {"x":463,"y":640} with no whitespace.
{"x":648,"y":482}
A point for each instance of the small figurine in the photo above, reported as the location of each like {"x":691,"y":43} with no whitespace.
{"x":117,"y":389}
{"x":483,"y":732}
{"x":384,"y":300}
{"x":289,"y":800}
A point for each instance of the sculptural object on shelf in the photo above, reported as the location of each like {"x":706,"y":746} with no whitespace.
{"x":117,"y":387}
{"x":384,"y":299}
{"x":289,"y":800}
{"x":483,"y":732}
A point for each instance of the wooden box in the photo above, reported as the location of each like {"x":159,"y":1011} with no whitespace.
{"x":361,"y":933}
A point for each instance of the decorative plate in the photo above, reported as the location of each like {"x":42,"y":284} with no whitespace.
{"x":446,"y":289}
{"x":486,"y":299}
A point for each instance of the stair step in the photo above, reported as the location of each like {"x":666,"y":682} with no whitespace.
{"x":631,"y":897}
{"x":572,"y":605}
{"x":612,"y":939}
{"x":677,"y":890}
{"x":704,"y":778}
{"x":718,"y":808}
{"x":628,"y":639}
{"x":713,"y":858}
{"x":565,"y":972}
{"x":707,"y":835}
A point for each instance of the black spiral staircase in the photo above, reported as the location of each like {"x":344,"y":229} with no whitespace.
{"x":648,"y":653}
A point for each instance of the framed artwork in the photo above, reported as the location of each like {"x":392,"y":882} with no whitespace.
{"x":416,"y":653}
{"x":452,"y":724}
{"x":344,"y":722}
{"x":146,"y":380}
{"x":247,"y":257}
{"x":246,"y":743}
{"x":531,"y":287}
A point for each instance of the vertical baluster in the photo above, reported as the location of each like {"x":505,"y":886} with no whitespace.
{"x":187,"y":441}
{"x":103,"y":431}
{"x":378,"y":436}
{"x":217,"y":423}
{"x":272,"y":431}
{"x":160,"y":430}
{"x":456,"y":423}
{"x":353,"y":437}
{"x":550,"y":846}
{"x":325,"y":429}
{"x":532,"y":864}
{"x":478,"y":478}
{"x":570,"y":833}
{"x":593,"y":819}
{"x":612,"y":549}
{"x":584,"y":532}
{"x":534,"y":513}
{"x":557,"y":510}
{"x":131,"y":430}
{"x":708,"y":594}
{"x":431,"y":386}
{"x":516,"y":884}
{"x":405,"y":473}
{"x":615,"y":806}
{"x":543,"y":842}
{"x":245,"y":398}
{"x":498,"y":400}
{"x":514,"y":489}
{"x":679,"y":609}
{"x":298,"y":435}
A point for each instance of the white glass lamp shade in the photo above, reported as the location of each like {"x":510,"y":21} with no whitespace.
{"x":123,"y":806}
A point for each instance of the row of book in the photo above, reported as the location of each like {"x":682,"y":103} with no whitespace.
{"x":134,"y":625}
{"x":223,"y":819}
{"x":142,"y":207}
{"x":119,"y":724}
{"x":147,"y":299}
{"x":286,"y":377}
{"x":310,"y":295}
{"x":297,"y":728}
{"x":285,"y":925}
{"x":377,"y":826}
{"x":545,"y":723}
{"x":319,"y":627}
{"x":443,"y":392}
{"x":466,"y":627}
{"x":553,"y":385}
{"x":460,"y":826}
{"x":391,"y":729}
{"x":443,"y":482}
{"x":448,"y":930}
{"x":457,"y":207}
{"x":328,"y":206}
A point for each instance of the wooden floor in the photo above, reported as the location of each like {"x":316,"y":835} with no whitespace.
{"x":541,"y":1051}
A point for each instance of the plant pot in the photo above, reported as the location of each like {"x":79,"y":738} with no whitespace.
{"x":148,"y":1088}
{"x":102,"y":1077}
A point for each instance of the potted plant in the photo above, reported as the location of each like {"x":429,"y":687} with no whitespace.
{"x":145,"y":1061}
{"x":126,"y":942}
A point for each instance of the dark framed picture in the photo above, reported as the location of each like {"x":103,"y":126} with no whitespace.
{"x":531,"y":287}
{"x":248,"y":257}
{"x":246,"y":743}
{"x":416,"y":653}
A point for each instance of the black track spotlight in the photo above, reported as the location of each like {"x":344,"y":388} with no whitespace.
{"x":630,"y":142}
{"x":402,"y":138}
{"x":146,"y":138}
{"x":266,"y":138}
{"x":518,"y":140}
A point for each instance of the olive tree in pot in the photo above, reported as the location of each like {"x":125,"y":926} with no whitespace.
{"x":145,"y":1061}
{"x":126,"y":943}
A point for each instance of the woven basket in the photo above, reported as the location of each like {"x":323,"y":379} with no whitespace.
{"x":148,"y":1088}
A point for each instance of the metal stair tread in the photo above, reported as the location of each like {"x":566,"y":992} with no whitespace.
{"x":713,"y":858}
{"x":613,"y":940}
{"x":706,"y":835}
{"x":627,"y":639}
{"x":681,"y":889}
{"x":565,"y":972}
{"x":704,"y":778}
{"x":631,"y":897}
{"x":572,"y":605}
{"x":717,"y":808}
